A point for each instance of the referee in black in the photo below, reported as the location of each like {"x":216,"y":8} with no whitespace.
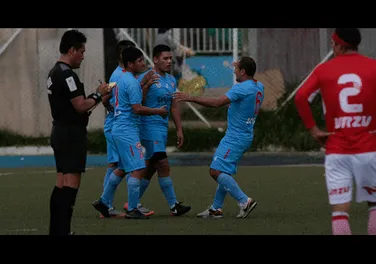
{"x":70,"y":109}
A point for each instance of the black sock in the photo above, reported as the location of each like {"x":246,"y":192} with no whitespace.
{"x":55,"y":207}
{"x":70,"y":195}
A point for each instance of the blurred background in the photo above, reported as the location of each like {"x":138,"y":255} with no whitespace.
{"x":284,"y":57}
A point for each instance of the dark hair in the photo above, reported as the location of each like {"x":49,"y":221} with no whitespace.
{"x":249,"y":65}
{"x":351,"y":36}
{"x":163,"y":30}
{"x":131,"y":54}
{"x":71,"y":39}
{"x":157,"y":50}
{"x":121,"y":45}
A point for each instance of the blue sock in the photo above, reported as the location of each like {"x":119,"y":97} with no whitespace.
{"x":168,"y":190}
{"x":109,"y":190}
{"x":219,"y":198}
{"x":107,"y":176}
{"x":229,"y":184}
{"x":143,"y":186}
{"x":133,"y":193}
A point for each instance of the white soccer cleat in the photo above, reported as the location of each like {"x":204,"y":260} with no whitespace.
{"x":246,"y":209}
{"x":210,"y":213}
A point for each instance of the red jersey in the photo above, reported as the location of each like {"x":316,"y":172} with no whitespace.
{"x":348,"y":87}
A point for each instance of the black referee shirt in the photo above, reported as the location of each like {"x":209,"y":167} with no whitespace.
{"x":63,"y":84}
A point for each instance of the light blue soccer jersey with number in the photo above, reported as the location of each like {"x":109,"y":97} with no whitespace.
{"x":127,"y":93}
{"x":246,"y":99}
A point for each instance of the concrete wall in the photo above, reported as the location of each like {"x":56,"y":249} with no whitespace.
{"x":24,"y":68}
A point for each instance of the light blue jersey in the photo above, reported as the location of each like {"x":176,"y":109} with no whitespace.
{"x":154,"y":129}
{"x":246,"y":100}
{"x":159,"y":94}
{"x":127,"y":93}
{"x":126,"y":127}
{"x":110,"y":116}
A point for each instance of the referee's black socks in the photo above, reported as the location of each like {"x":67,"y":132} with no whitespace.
{"x":55,"y":206}
{"x":70,"y":195}
{"x":61,"y":210}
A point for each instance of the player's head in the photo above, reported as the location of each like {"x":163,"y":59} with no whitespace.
{"x":121,"y":45}
{"x":133,"y":60}
{"x":162,"y":58}
{"x":244,"y":69}
{"x":163,"y":30}
{"x":345,"y":39}
{"x":72,"y":46}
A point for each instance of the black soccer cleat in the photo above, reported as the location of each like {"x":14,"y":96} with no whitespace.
{"x":179,"y":209}
{"x":135,"y":214}
{"x":102,"y":208}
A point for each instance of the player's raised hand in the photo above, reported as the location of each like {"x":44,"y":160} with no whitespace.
{"x":147,"y":77}
{"x":162,"y":111}
{"x":150,"y":78}
{"x":179,"y":96}
{"x":153,"y":79}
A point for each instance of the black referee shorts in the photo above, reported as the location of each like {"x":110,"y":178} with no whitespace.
{"x":69,"y":144}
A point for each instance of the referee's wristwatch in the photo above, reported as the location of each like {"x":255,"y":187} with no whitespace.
{"x":97,"y":96}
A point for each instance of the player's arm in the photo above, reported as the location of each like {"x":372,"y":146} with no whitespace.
{"x":146,"y":82}
{"x":302,"y":100}
{"x":139,"y":109}
{"x":145,"y":90}
{"x":234,"y":94}
{"x":201,"y":100}
{"x":175,"y":111}
{"x":106,"y":102}
{"x":135,"y":99}
{"x":107,"y":97}
{"x":175,"y":115}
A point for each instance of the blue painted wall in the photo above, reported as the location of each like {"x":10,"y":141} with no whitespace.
{"x":217,"y":70}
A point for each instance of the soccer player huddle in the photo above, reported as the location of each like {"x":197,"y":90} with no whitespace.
{"x":143,"y":101}
{"x":139,"y":109}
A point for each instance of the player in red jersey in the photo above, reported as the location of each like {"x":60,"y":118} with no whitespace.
{"x":348,"y":87}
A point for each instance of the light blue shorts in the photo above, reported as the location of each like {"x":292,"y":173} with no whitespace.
{"x":228,"y":155}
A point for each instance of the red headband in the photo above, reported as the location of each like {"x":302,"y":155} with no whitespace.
{"x":339,"y":41}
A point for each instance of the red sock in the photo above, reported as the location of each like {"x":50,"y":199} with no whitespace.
{"x":340,"y":223}
{"x":372,"y":221}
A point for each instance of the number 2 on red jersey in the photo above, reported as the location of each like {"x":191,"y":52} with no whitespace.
{"x":347,"y":92}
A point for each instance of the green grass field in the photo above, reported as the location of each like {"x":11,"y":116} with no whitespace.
{"x":292,"y":201}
